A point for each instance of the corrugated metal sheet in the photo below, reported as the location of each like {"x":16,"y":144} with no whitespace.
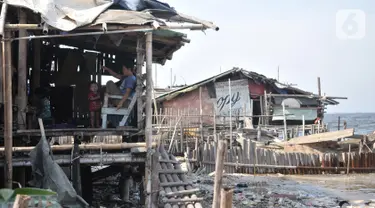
{"x":68,"y":15}
{"x":297,"y":113}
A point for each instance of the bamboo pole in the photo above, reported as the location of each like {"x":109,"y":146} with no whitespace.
{"x":215,"y":134}
{"x":219,"y":172}
{"x":148,"y":133}
{"x":284,"y":121}
{"x":89,"y":146}
{"x":230,"y":114}
{"x":168,"y":26}
{"x":3,"y":14}
{"x":266,"y":108}
{"x":200,"y":119}
{"x":226,"y":198}
{"x":8,"y":117}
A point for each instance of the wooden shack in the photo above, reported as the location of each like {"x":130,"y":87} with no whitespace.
{"x":62,"y":48}
{"x":252,"y":95}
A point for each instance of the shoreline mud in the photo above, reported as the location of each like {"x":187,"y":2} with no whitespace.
{"x":279,"y":190}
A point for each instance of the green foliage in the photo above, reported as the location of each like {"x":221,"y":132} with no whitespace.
{"x":38,"y":196}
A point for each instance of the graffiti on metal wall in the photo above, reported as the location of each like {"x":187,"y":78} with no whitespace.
{"x":238,"y":100}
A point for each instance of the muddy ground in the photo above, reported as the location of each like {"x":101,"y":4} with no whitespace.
{"x":263,"y":191}
{"x":293,"y":191}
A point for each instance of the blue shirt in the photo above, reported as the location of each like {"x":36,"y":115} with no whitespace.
{"x":128,"y":83}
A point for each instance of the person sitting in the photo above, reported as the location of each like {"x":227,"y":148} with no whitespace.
{"x":126,"y":88}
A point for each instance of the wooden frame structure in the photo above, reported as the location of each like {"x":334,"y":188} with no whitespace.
{"x":144,"y":48}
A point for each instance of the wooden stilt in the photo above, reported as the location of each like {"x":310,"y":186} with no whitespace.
{"x":125,"y":184}
{"x":22,"y":73}
{"x":76,"y":168}
{"x":86,"y":179}
{"x":150,"y":201}
{"x":139,"y":88}
{"x":8,"y":117}
{"x":219,"y":173}
{"x":22,"y":89}
{"x":226,"y":198}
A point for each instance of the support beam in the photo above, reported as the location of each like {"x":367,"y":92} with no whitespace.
{"x":219,"y":173}
{"x":76,"y":168}
{"x":22,"y":73}
{"x":22,"y":87}
{"x":124,"y":184}
{"x":226,"y":198}
{"x":8,"y":117}
{"x":148,"y":133}
{"x":139,"y":88}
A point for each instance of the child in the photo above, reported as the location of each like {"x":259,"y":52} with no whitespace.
{"x":94,"y":104}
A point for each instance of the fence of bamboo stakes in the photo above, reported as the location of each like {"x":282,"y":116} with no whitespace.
{"x":250,"y":159}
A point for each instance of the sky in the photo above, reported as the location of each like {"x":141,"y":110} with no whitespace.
{"x":299,"y":36}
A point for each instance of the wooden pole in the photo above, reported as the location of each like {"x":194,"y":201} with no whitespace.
{"x":226,"y":198}
{"x":76,"y":168}
{"x":319,"y":88}
{"x":338,"y":123}
{"x":139,"y":88}
{"x":303,"y":125}
{"x":8,"y":109}
{"x":148,"y":132}
{"x":222,"y":147}
{"x":215,"y":134}
{"x":284,"y":121}
{"x":349,"y":155}
{"x":124,"y":184}
{"x":230,"y":115}
{"x":22,"y":89}
{"x":266,"y":108}
{"x":22,"y":72}
{"x":200,"y":120}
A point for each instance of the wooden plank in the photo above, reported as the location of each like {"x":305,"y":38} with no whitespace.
{"x":315,"y":138}
{"x":115,"y":111}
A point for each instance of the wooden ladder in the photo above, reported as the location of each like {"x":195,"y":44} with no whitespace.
{"x":113,"y":110}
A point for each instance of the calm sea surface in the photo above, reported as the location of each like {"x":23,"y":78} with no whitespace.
{"x":363,"y":123}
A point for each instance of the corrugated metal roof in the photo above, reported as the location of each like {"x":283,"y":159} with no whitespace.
{"x":250,"y":74}
{"x":68,"y":15}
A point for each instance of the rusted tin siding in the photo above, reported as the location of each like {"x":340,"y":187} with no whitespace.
{"x":190,"y":101}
